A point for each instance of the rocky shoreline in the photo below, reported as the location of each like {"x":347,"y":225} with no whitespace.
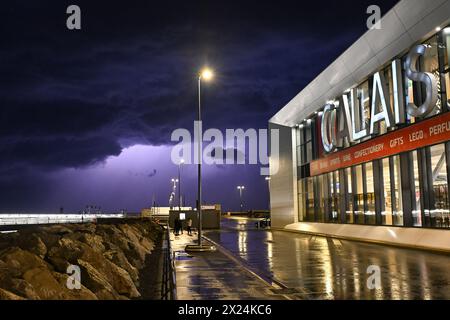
{"x":110,"y":256}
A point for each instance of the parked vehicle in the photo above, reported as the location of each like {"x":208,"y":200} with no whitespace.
{"x":263,"y":223}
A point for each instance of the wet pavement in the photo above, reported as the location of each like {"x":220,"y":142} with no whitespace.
{"x":313,"y":267}
{"x":214,"y":276}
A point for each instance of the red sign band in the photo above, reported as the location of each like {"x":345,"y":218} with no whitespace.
{"x":425,"y":133}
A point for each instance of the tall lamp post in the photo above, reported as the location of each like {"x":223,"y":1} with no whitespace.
{"x":241,"y":189}
{"x":205,"y":75}
{"x":173,"y":194}
{"x":268,"y":187}
{"x":179,"y":184}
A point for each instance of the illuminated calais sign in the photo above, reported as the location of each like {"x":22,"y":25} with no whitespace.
{"x":345,"y":120}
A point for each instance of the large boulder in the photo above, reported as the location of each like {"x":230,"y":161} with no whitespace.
{"x":147,"y":244}
{"x":130,"y":232}
{"x":6,"y":295}
{"x":74,"y":294}
{"x":123,"y":283}
{"x":92,"y":240}
{"x":8,"y":240}
{"x":21,"y":260}
{"x":67,"y":249}
{"x":118,"y":258}
{"x":58,"y":264}
{"x":7,"y":272}
{"x":118,"y":278}
{"x":49,"y":239}
{"x":33,"y":243}
{"x":45,"y":284}
{"x":85,"y":228}
{"x":96,"y":282}
{"x":23,"y":289}
{"x":136,"y":254}
{"x":57,"y":229}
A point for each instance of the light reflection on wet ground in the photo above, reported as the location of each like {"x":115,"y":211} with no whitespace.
{"x":325,"y":268}
{"x":214,"y":276}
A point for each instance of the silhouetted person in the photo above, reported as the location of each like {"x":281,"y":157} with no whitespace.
{"x":189,"y":226}
{"x":176,"y":226}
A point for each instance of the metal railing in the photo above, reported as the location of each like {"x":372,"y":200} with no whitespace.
{"x":168,"y":285}
{"x":12,"y":219}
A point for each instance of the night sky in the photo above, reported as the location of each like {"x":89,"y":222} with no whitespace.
{"x":86,"y":116}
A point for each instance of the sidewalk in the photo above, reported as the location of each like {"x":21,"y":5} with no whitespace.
{"x":213,"y":276}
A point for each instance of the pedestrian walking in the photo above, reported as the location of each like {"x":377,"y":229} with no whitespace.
{"x":176,"y":226}
{"x":189,"y":226}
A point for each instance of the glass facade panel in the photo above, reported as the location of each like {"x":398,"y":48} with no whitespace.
{"x":386,"y":211}
{"x":335,"y":198}
{"x":302,"y":198}
{"x":397,"y":207}
{"x":439,"y":197}
{"x":369,"y":211}
{"x":349,"y":196}
{"x":359,"y":194}
{"x":322,"y":186}
{"x":446,"y":42}
{"x":304,"y":144}
{"x":310,"y":199}
{"x":416,"y":205}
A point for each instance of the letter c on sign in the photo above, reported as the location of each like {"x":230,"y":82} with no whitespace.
{"x":427,"y":78}
{"x":326,"y":128}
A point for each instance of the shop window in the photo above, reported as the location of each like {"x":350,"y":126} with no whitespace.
{"x":446,"y":43}
{"x":439,"y":213}
{"x":349,"y":196}
{"x":386,"y":213}
{"x":397,"y":207}
{"x":416,"y":205}
{"x":322,"y":185}
{"x":359,"y":194}
{"x":302,"y":200}
{"x":370,"y":195}
{"x":304,"y":144}
{"x":335,"y":196}
{"x":392,"y":205}
{"x":309,"y":184}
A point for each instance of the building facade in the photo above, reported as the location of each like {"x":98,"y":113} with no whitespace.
{"x":365,"y":148}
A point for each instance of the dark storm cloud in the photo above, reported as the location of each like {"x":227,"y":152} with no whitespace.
{"x":71,"y":99}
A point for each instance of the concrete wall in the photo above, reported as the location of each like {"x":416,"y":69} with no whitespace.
{"x":419,"y":238}
{"x":210,"y":219}
{"x":282,"y":188}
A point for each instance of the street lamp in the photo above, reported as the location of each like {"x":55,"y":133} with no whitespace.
{"x":241,"y":189}
{"x":206,"y":75}
{"x":268,"y":187}
{"x":179,"y":184}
